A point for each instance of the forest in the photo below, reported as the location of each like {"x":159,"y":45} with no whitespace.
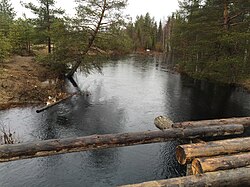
{"x":204,"y":38}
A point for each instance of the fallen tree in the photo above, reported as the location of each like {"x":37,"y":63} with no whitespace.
{"x":59,"y":146}
{"x":55,"y":103}
{"x":186,"y":153}
{"x":234,"y":177}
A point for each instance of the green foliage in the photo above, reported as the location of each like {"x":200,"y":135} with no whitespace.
{"x":145,"y":34}
{"x":6,"y":16}
{"x":210,"y":39}
{"x":5,"y":47}
{"x":21,"y":36}
{"x":46,"y":14}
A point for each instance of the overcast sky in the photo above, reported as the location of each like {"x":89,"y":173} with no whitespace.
{"x":160,"y":9}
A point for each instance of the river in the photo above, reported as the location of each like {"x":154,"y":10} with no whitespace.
{"x":126,"y":97}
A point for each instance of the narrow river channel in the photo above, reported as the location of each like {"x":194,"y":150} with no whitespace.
{"x":126,"y":97}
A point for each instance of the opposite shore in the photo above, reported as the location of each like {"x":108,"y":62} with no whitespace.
{"x":25,"y":82}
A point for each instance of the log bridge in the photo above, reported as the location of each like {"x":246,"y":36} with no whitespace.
{"x":213,"y":163}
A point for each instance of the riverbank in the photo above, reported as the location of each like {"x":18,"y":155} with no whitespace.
{"x":24,"y":82}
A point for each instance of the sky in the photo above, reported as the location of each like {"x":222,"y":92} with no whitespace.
{"x":160,"y":9}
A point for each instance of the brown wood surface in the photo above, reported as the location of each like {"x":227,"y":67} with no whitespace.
{"x":225,"y":162}
{"x":186,"y":153}
{"x":234,"y":177}
{"x":242,"y":120}
{"x":59,"y":146}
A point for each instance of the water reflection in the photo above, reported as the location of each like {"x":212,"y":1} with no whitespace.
{"x":126,"y":97}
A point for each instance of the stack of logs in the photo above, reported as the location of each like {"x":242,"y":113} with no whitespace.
{"x":213,"y":163}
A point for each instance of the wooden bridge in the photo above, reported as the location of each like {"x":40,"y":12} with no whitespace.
{"x":224,"y":162}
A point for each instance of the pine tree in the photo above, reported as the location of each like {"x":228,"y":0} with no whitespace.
{"x":46,"y":14}
{"x":210,"y":38}
{"x":95,"y":17}
{"x":7,"y":15}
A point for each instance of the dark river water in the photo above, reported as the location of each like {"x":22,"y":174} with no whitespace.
{"x":126,"y":97}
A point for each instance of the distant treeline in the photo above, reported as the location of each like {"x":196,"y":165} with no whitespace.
{"x":210,"y":39}
{"x":204,"y":38}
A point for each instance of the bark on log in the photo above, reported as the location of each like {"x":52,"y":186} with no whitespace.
{"x":233,"y":177}
{"x":186,"y":153}
{"x":59,"y":146}
{"x":203,"y":165}
{"x":242,"y":120}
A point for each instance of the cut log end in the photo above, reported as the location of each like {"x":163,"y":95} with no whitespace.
{"x":196,"y":166}
{"x":180,"y":155}
{"x":162,"y":122}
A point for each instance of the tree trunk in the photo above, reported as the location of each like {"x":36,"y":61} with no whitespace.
{"x":226,"y":16}
{"x":48,"y":27}
{"x":186,"y":153}
{"x":59,"y":146}
{"x":234,"y":177}
{"x":91,"y":41}
{"x":203,"y":165}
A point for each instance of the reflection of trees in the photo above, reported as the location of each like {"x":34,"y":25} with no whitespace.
{"x":189,"y":99}
{"x":208,"y":100}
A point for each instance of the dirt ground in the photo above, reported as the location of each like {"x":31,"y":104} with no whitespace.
{"x":24,"y":82}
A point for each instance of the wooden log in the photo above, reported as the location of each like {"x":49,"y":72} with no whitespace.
{"x":55,"y":103}
{"x":186,"y":153}
{"x":242,"y":120}
{"x":203,"y":165}
{"x":59,"y":146}
{"x":233,"y":177}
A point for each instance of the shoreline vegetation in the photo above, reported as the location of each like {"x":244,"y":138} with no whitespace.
{"x":25,"y":82}
{"x":214,"y":47}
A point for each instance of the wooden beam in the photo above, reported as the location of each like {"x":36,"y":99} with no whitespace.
{"x":59,"y":146}
{"x":225,"y":162}
{"x":186,"y":153}
{"x":242,"y":120}
{"x":234,"y":177}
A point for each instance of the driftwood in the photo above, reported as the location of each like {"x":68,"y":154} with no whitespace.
{"x":55,"y":103}
{"x":59,"y":146}
{"x":234,"y":177}
{"x":203,"y":165}
{"x":186,"y":153}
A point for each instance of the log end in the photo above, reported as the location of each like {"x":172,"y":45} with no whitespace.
{"x":162,"y":122}
{"x":196,"y":167}
{"x":181,"y":155}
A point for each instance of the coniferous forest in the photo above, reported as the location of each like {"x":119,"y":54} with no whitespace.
{"x":204,"y":38}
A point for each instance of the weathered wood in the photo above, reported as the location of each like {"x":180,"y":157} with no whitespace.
{"x":189,"y":170}
{"x":233,"y":177}
{"x":242,"y":120}
{"x":162,"y":122}
{"x":186,"y":153}
{"x":59,"y":146}
{"x":203,"y":165}
{"x":55,"y":103}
